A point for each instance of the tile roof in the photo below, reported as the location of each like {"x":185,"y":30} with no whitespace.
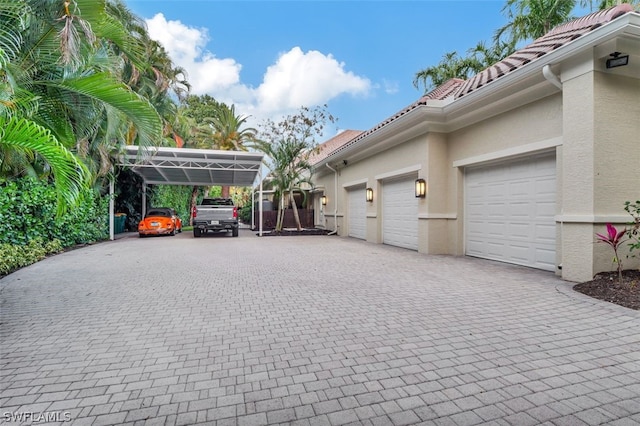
{"x":456,"y":88}
{"x":558,"y":37}
{"x":328,"y":147}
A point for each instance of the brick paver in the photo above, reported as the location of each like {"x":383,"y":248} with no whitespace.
{"x":306,"y":330}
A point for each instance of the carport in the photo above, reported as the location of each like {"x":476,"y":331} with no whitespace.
{"x":191,"y":167}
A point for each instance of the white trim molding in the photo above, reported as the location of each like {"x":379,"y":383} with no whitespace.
{"x":586,"y":218}
{"x":448,"y":216}
{"x":510,"y":152}
{"x":399,"y":172}
{"x":359,"y":182}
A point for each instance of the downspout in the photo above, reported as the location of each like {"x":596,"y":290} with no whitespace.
{"x":335,"y":211}
{"x":551,"y":77}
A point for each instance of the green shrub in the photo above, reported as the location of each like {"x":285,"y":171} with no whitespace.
{"x":244,"y":213}
{"x":28,"y":212}
{"x":633,"y":232}
{"x":14,"y":257}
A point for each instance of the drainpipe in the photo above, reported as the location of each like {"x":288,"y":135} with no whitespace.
{"x":335,"y":211}
{"x":551,"y":77}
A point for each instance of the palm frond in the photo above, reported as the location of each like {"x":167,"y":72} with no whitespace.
{"x":70,"y":176}
{"x":104,"y":88}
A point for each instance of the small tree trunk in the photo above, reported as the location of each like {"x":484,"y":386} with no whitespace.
{"x":225,"y":192}
{"x":280,"y":216}
{"x":192,"y":204}
{"x":295,"y":211}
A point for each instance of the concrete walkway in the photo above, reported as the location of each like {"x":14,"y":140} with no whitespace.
{"x":307,"y":330}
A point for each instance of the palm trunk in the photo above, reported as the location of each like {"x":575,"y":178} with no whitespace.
{"x":279,"y":217}
{"x":295,"y":211}
{"x":224,"y":192}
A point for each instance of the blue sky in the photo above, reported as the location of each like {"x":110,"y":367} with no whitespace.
{"x":359,"y":57}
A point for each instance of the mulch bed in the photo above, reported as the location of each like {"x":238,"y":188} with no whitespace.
{"x":606,"y":286}
{"x":289,"y":232}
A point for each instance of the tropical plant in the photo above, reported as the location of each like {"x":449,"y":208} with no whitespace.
{"x":453,"y":65}
{"x":614,"y":239}
{"x":531,"y":19}
{"x":633,"y":233}
{"x":450,"y":66}
{"x":605,"y":4}
{"x":61,"y":91}
{"x":288,"y":145}
{"x":215,"y":125}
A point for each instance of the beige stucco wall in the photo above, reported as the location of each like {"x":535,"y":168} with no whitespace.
{"x":616,"y":157}
{"x":363,"y":173}
{"x":516,"y":132}
{"x":600,"y":163}
{"x":593,"y":126}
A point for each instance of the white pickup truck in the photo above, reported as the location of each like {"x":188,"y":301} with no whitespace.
{"x":216,"y":215}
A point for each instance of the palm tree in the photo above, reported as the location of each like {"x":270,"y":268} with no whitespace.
{"x":216,"y":126}
{"x":229,"y":134}
{"x":450,"y":66}
{"x":483,"y":56}
{"x":288,"y":144}
{"x":605,"y":4}
{"x":531,"y":19}
{"x":289,"y":169}
{"x":59,"y":83}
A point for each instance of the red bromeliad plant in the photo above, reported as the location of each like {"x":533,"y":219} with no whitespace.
{"x":614,"y":239}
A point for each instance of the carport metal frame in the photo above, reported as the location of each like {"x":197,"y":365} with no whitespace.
{"x":191,"y":167}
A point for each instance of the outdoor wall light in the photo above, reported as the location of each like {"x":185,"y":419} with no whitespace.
{"x":323,"y":200}
{"x":369,"y":194}
{"x":421,"y":188}
{"x":617,"y":60}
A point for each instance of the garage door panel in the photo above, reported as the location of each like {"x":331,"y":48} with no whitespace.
{"x":357,"y":214}
{"x":510,"y":210}
{"x":400,"y":214}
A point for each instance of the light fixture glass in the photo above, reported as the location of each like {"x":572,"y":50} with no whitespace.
{"x":617,"y":60}
{"x":323,"y":200}
{"x":369,"y":193}
{"x":421,"y":188}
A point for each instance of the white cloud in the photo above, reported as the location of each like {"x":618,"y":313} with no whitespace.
{"x":390,"y":87}
{"x":297,"y":78}
{"x":186,"y":47}
{"x":311,"y":78}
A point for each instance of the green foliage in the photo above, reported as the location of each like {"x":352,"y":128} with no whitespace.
{"x":633,"y":233}
{"x":13,"y":257}
{"x":176,"y":197}
{"x":288,"y":144}
{"x":28,"y":212}
{"x":244,"y":213}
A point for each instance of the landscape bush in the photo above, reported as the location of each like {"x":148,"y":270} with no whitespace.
{"x":30,"y":228}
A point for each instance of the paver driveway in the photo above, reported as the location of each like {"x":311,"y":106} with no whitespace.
{"x":307,"y":330}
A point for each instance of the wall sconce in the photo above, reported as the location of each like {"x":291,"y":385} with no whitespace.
{"x":369,"y":194}
{"x":617,"y":61}
{"x":323,"y":200}
{"x":421,"y":188}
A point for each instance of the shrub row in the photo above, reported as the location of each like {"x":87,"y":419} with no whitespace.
{"x":30,"y":229}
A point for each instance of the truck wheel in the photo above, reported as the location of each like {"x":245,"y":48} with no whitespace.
{"x":196,"y":232}
{"x":234,"y":232}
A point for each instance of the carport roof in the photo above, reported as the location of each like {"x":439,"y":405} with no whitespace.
{"x":186,"y":166}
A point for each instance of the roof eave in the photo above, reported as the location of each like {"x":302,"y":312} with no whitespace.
{"x":447,"y":115}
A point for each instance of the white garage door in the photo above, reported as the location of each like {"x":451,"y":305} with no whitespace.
{"x":510,"y":210}
{"x":400,"y":213}
{"x":357,"y":214}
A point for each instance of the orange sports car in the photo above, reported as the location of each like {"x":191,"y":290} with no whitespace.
{"x":160,"y":221}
